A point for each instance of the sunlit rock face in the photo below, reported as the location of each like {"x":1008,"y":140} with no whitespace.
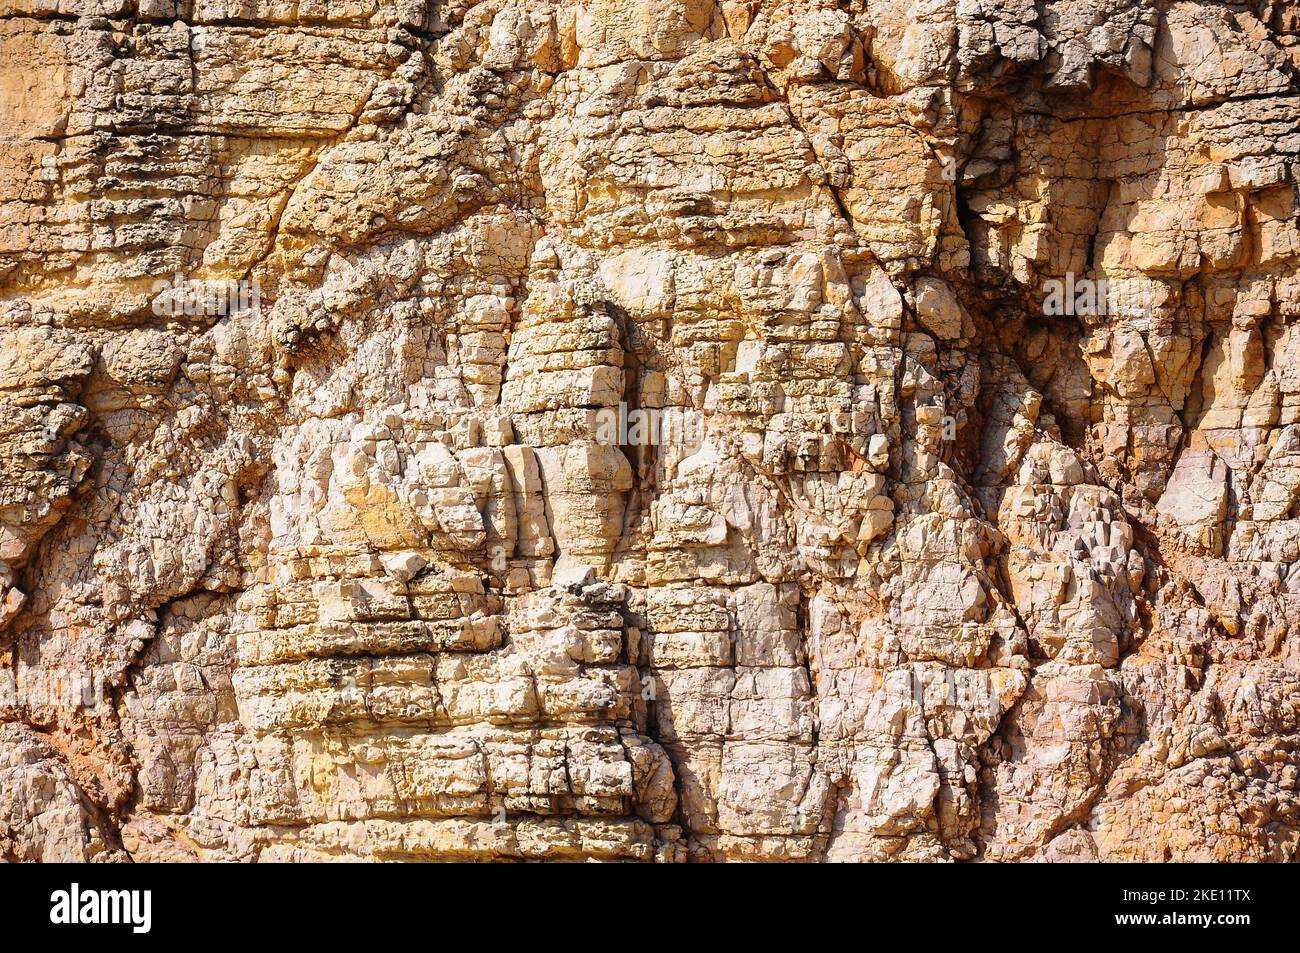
{"x":655,"y":430}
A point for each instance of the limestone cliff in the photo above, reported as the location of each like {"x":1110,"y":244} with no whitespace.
{"x":814,"y":430}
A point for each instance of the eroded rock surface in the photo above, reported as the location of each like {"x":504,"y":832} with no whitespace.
{"x":968,"y":527}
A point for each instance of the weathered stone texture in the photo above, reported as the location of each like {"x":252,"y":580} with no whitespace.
{"x":923,"y":566}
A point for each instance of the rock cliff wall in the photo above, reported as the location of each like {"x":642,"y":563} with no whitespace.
{"x":649,"y":429}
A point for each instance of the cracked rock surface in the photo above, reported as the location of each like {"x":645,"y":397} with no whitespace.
{"x":919,"y":564}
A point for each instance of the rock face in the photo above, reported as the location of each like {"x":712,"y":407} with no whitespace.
{"x":811,"y":430}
